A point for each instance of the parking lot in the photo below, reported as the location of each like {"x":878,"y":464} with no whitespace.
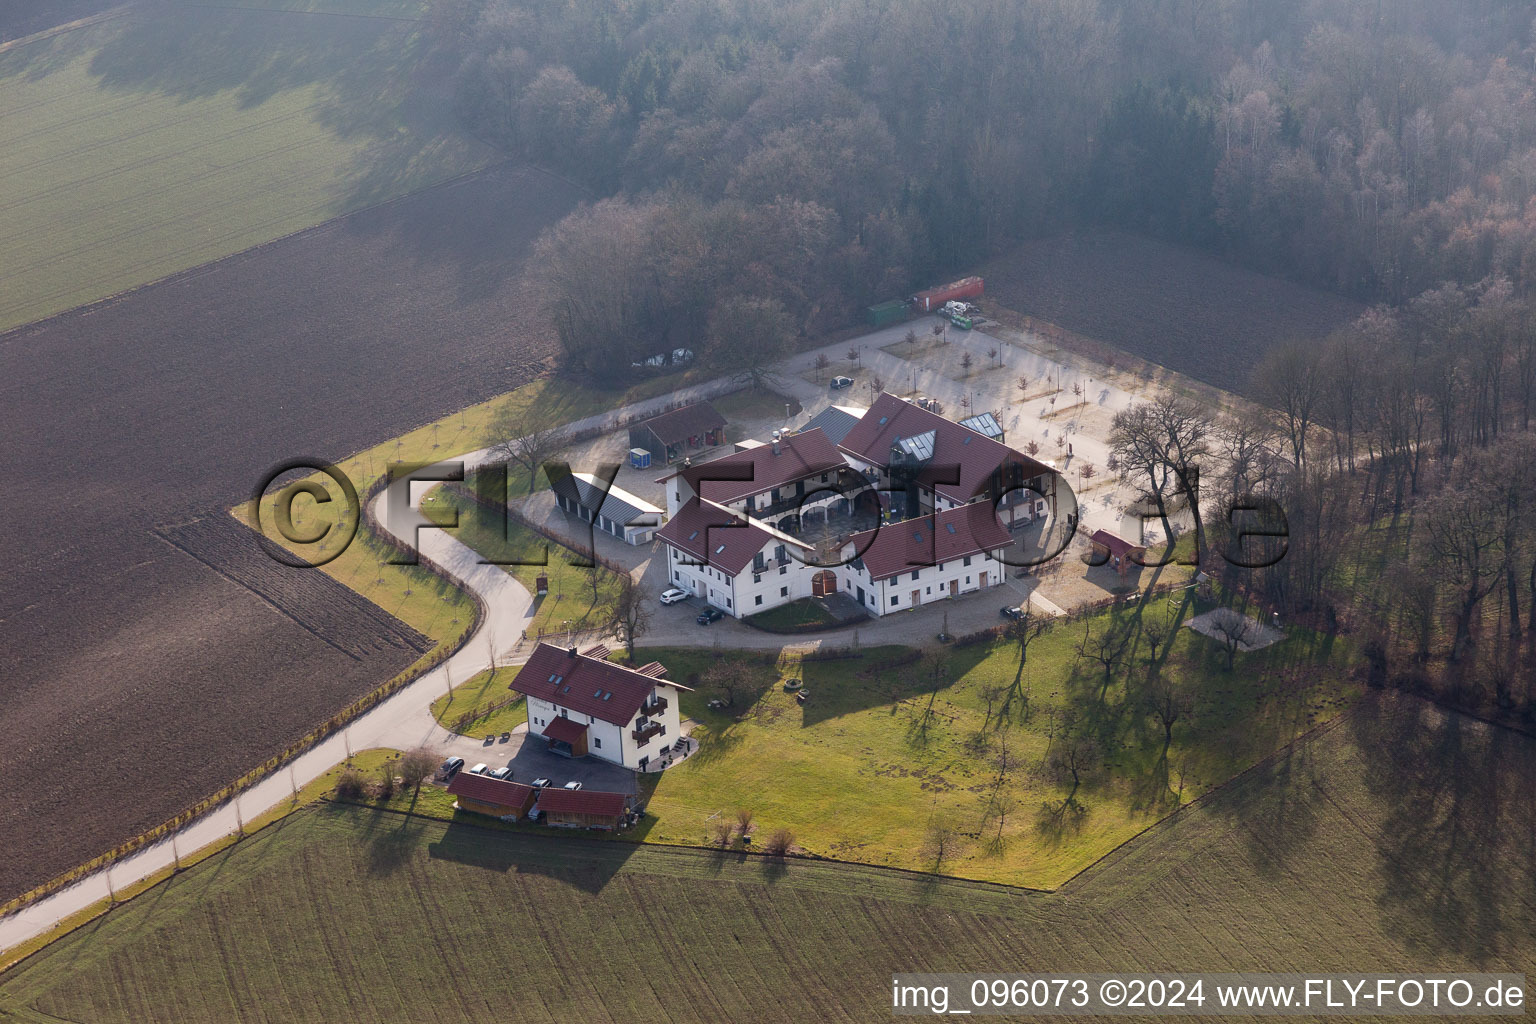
{"x":530,"y":759}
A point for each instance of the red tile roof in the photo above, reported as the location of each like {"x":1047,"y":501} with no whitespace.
{"x":761,"y":469}
{"x":1117,"y":546}
{"x":565,"y":729}
{"x":715,"y":536}
{"x":679,"y":425}
{"x":930,"y":540}
{"x":582,"y":801}
{"x":587,"y":686}
{"x":960,"y":453}
{"x":492,"y":791}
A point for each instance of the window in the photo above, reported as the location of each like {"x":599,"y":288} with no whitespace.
{"x":967,"y":579}
{"x":928,"y":590}
{"x":728,"y":600}
{"x":914,"y":574}
{"x":783,"y":569}
{"x":783,"y":591}
{"x":758,"y":599}
{"x":967,"y":562}
{"x":597,"y":742}
{"x":757,"y":577}
{"x":893,"y":602}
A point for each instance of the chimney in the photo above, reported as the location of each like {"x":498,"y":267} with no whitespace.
{"x":571,"y":652}
{"x":775,"y":442}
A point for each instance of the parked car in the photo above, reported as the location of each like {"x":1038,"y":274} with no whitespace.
{"x":709,"y":615}
{"x":452,"y":766}
{"x":502,"y":773}
{"x":840,"y":382}
{"x":540,"y":783}
{"x":673,"y":596}
{"x":573,"y":785}
{"x":1016,"y":612}
{"x":480,"y":769}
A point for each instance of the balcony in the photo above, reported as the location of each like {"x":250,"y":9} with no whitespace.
{"x":643,"y":735}
{"x":653,"y":707}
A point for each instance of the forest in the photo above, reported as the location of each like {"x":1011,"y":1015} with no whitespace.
{"x":807,"y":158}
{"x":761,"y":171}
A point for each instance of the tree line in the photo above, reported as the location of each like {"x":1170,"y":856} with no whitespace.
{"x":1387,"y":486}
{"x":825,"y":155}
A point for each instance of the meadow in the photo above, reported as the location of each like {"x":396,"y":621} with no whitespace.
{"x":1391,"y":840}
{"x":159,"y":139}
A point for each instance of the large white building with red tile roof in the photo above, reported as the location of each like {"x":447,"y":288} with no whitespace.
{"x":732,"y":561}
{"x":928,"y":463}
{"x":729,"y":540}
{"x":930,"y":558}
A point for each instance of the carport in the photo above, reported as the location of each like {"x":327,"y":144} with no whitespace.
{"x":566,"y":738}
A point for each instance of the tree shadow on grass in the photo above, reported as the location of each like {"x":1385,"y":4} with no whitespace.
{"x":1457,"y":830}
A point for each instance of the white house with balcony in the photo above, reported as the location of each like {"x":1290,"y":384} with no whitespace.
{"x":583,"y":705}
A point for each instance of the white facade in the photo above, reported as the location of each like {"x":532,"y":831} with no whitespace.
{"x":922,"y":585}
{"x":781,"y":581}
{"x":614,"y":743}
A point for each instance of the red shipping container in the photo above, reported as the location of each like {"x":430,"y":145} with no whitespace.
{"x":933,"y":298}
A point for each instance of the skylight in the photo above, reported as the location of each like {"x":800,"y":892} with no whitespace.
{"x":719,"y":549}
{"x":694,"y":535}
{"x":917,"y":536}
{"x":950,"y":527}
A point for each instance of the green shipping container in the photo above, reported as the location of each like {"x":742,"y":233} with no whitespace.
{"x":887,"y":313}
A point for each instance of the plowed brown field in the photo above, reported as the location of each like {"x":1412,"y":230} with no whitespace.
{"x":137,"y":678}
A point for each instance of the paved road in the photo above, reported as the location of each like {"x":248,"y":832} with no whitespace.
{"x":405,"y":720}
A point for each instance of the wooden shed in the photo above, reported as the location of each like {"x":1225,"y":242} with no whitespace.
{"x":1117,"y":551}
{"x":676,"y":434}
{"x":582,"y":808}
{"x":498,"y":798}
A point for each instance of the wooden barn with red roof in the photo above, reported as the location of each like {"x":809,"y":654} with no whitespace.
{"x":498,"y":798}
{"x":581,"y":808}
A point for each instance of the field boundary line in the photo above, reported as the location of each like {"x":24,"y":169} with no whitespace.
{"x":694,"y":849}
{"x":292,"y":10}
{"x":1171,"y":818}
{"x":69,"y":26}
{"x":11,"y":334}
{"x":260,"y":596}
{"x":315,"y":736}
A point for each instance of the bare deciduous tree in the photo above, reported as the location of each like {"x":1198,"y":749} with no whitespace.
{"x":1163,"y":442}
{"x":1107,"y":647}
{"x":632,"y":616}
{"x":1233,"y":629}
{"x":530,"y":450}
{"x":416,"y":766}
{"x":1023,"y":631}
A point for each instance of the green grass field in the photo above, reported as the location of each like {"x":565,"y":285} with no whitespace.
{"x":877,"y":760}
{"x":156,"y":141}
{"x":1395,"y":841}
{"x":466,"y":709}
{"x":571,"y":602}
{"x":862,"y":772}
